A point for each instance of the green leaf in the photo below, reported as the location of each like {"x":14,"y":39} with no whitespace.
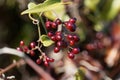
{"x":46,"y":6}
{"x":31,"y":5}
{"x":46,"y":41}
{"x":57,"y":13}
{"x":115,"y":7}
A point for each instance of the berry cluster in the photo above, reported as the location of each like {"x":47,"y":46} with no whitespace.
{"x":63,"y":39}
{"x":31,"y":51}
{"x":26,"y":49}
{"x":97,"y":43}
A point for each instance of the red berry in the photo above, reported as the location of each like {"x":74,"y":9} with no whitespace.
{"x":48,"y":25}
{"x":51,"y":60}
{"x":47,"y":59}
{"x":58,"y":37}
{"x":76,"y":38}
{"x":32,"y":53}
{"x":26,"y":49}
{"x":54,"y":25}
{"x":50,"y":34}
{"x":19,"y":49}
{"x":58,"y":33}
{"x":71,"y":55}
{"x":71,"y":27}
{"x":38,"y":61}
{"x":58,"y":21}
{"x":75,"y":50}
{"x":22,"y":43}
{"x":90,"y":46}
{"x":53,"y":38}
{"x":46,"y":63}
{"x":72,"y":42}
{"x":32,"y":44}
{"x":72,"y":20}
{"x":69,"y":37}
{"x":59,"y":44}
{"x":56,"y":49}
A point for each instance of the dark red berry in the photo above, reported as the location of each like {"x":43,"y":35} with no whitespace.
{"x":71,"y":55}
{"x":47,"y":59}
{"x":69,"y":37}
{"x":32,"y":53}
{"x":58,"y":21}
{"x":46,"y":63}
{"x":54,"y":25}
{"x":72,"y":20}
{"x":22,"y":43}
{"x":50,"y":34}
{"x":48,"y":25}
{"x":38,"y":61}
{"x":32,"y":44}
{"x":58,"y":33}
{"x":71,"y":27}
{"x":58,"y":37}
{"x":72,"y":42}
{"x":76,"y":38}
{"x":75,"y":50}
{"x":51,"y":60}
{"x":53,"y":38}
{"x":59,"y":44}
{"x":90,"y":46}
{"x":19,"y":49}
{"x":56,"y":49}
{"x":25,"y":49}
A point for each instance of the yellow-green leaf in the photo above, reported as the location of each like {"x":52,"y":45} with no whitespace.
{"x":31,"y":5}
{"x":46,"y":6}
{"x":46,"y":41}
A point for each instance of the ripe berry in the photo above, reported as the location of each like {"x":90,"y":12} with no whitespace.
{"x":54,"y":25}
{"x":59,"y":44}
{"x":22,"y":43}
{"x":76,"y":38}
{"x":32,"y":53}
{"x":71,"y":27}
{"x":90,"y":46}
{"x":47,"y":59}
{"x":19,"y":49}
{"x":69,"y":37}
{"x":32,"y":44}
{"x":75,"y":50}
{"x":51,"y":60}
{"x":71,"y":55}
{"x":50,"y":34}
{"x":53,"y":38}
{"x":58,"y":37}
{"x":58,"y":33}
{"x":56,"y":49}
{"x":46,"y":63}
{"x":38,"y":61}
{"x":72,"y":42}
{"x":58,"y":21}
{"x":25,"y":49}
{"x":72,"y":20}
{"x":48,"y":25}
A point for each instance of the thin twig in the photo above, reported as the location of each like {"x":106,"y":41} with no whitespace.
{"x":31,"y":63}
